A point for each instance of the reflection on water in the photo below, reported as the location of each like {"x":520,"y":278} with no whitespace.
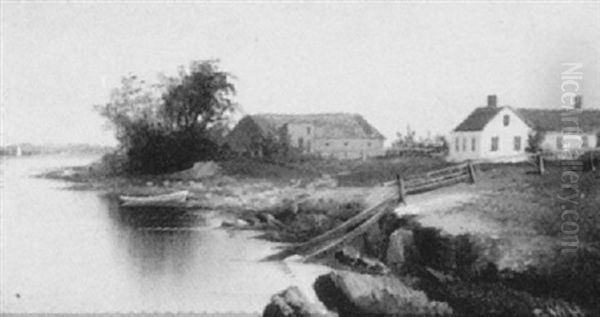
{"x":77,"y":251}
{"x":159,"y":240}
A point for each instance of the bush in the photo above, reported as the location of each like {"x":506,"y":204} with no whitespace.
{"x":153,"y":151}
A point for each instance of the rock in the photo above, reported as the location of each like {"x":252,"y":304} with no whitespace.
{"x":352,"y":258}
{"x":376,"y":240}
{"x":237,"y":223}
{"x":400,"y":241}
{"x":435,"y":249}
{"x":290,"y":303}
{"x":227,"y":223}
{"x":354,"y":294}
{"x":200,"y":170}
{"x":270,"y":220}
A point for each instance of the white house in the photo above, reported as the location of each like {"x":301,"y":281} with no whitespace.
{"x":501,"y":133}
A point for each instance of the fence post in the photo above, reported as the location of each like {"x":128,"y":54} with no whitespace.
{"x":471,"y":171}
{"x":401,"y":189}
{"x":592,"y":161}
{"x":541,"y":164}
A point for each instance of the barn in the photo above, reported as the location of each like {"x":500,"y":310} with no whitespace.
{"x":330,"y":135}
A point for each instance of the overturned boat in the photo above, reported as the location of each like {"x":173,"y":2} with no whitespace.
{"x":166,"y":200}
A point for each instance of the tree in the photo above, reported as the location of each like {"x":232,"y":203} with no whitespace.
{"x":132,"y":105}
{"x":199,"y":98}
{"x":534,"y":142}
{"x":168,"y":126}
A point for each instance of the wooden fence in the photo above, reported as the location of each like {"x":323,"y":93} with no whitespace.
{"x":361,"y":222}
{"x":433,"y":179}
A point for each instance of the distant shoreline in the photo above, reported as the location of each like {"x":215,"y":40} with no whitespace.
{"x":27,"y":149}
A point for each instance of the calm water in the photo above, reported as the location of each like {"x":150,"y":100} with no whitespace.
{"x":74,"y":251}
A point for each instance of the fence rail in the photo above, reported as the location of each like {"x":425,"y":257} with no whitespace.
{"x":435,"y":179}
{"x":361,"y":222}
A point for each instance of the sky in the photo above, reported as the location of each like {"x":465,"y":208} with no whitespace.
{"x":427,"y":65}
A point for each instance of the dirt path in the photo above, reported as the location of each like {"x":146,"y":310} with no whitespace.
{"x":433,"y":209}
{"x":517,"y":247}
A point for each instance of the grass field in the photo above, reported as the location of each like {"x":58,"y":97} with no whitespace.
{"x":370,"y":172}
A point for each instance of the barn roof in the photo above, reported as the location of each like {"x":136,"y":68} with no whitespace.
{"x":538,"y":119}
{"x":327,"y":125}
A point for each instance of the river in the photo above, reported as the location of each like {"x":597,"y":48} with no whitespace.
{"x":66,"y":251}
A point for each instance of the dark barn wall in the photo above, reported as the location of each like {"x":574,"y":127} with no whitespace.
{"x":244,"y":137}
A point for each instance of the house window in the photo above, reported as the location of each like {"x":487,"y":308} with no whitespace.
{"x":559,"y":142}
{"x":495,"y":143}
{"x":345,"y":143}
{"x":456,"y":145}
{"x":308,"y":130}
{"x":473,"y":144}
{"x":517,"y":143}
{"x":369,"y":144}
{"x":464,"y":145}
{"x":585,"y":142}
{"x":300,"y":142}
{"x":326,"y":143}
{"x":506,"y":120}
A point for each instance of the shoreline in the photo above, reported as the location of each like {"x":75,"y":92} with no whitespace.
{"x":267,"y":206}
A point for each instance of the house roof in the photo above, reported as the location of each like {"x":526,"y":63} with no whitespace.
{"x":550,"y":119}
{"x":478,"y":119}
{"x":327,"y":125}
{"x":538,"y":119}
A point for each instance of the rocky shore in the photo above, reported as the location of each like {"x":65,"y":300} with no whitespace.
{"x":401,"y":268}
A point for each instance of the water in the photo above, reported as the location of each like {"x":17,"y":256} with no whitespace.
{"x":75,"y":251}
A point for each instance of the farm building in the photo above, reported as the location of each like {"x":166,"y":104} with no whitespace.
{"x":501,"y":133}
{"x":335,"y":135}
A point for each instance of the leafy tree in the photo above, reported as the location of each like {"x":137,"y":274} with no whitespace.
{"x":534,"y":142}
{"x":404,"y":141}
{"x":199,"y":98}
{"x":168,"y":126}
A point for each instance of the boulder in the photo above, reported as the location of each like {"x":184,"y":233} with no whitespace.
{"x":237,"y":223}
{"x":290,"y":303}
{"x":349,"y":256}
{"x":200,"y":170}
{"x":399,"y":244}
{"x":354,"y":294}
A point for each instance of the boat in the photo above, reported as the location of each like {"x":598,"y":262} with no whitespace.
{"x":166,"y":200}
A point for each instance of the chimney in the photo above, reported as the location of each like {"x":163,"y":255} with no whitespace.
{"x":577,"y":102}
{"x":492,"y":101}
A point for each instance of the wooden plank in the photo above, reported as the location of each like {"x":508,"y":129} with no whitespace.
{"x":450,"y":172}
{"x":424,"y":181}
{"x":335,"y":232}
{"x":446,"y":169}
{"x":439,"y":184}
{"x":349,"y":236}
{"x":471,"y":172}
{"x":401,"y":190}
